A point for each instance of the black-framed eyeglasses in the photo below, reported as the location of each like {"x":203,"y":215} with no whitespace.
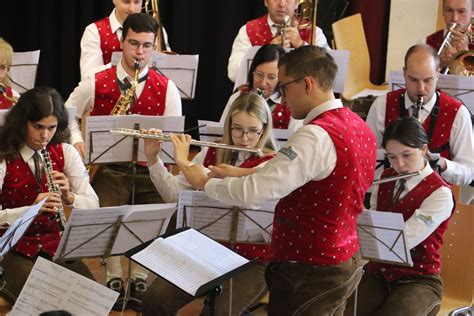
{"x":136,"y":44}
{"x":252,"y":134}
{"x":282,"y":87}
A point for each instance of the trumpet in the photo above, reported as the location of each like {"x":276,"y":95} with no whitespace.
{"x":167,"y":138}
{"x":395,"y":178}
{"x":447,"y":38}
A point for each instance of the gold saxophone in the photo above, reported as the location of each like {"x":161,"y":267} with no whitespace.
{"x":3,"y":91}
{"x":53,"y":188}
{"x":128,"y":97}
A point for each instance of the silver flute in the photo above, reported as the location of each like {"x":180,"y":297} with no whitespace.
{"x":395,"y":178}
{"x":166,"y":138}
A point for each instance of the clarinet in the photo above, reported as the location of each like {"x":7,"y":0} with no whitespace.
{"x":53,"y":188}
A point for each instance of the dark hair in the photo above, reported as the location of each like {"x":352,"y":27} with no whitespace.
{"x":422,"y":47}
{"x":265,"y":54}
{"x":33,"y":105}
{"x":408,"y":131}
{"x":139,"y":23}
{"x":311,"y":61}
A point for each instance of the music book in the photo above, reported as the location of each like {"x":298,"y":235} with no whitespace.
{"x":112,"y":230}
{"x":190,"y":260}
{"x":382,"y":238}
{"x":23,"y":70}
{"x":51,"y":287}
{"x":99,"y":139}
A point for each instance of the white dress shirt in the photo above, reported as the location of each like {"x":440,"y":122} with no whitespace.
{"x":316,"y":159}
{"x":74,"y":170}
{"x":460,"y":170}
{"x":91,"y":60}
{"x":437,"y":207}
{"x":242,"y":44}
{"x":169,"y":185}
{"x":293,"y":125}
{"x":83,"y":98}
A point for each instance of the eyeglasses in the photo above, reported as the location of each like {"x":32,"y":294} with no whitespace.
{"x":282,"y":87}
{"x":252,"y":134}
{"x":147,"y":46}
{"x":257,"y":75}
{"x":4,"y":67}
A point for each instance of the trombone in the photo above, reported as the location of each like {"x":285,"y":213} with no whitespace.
{"x":167,"y":138}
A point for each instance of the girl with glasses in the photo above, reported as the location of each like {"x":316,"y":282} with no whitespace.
{"x":263,"y":78}
{"x":248,"y":124}
{"x":8,"y":96}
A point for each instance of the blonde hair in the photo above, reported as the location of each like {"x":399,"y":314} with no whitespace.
{"x":6,"y":57}
{"x":256,"y":106}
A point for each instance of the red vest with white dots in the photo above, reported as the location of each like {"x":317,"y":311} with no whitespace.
{"x":109,"y":42}
{"x":20,"y":188}
{"x":316,"y":223}
{"x":448,"y":108}
{"x":245,"y":249}
{"x":426,"y":256}
{"x":152,"y":101}
{"x":4,"y":103}
{"x":436,"y":39}
{"x":259,"y":31}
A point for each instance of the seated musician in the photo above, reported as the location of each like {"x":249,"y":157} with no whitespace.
{"x":248,"y":124}
{"x":263,"y":76}
{"x":38,"y":121}
{"x":7,"y":94}
{"x":426,"y":203}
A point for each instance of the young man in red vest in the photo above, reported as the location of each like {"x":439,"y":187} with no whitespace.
{"x":155,"y":95}
{"x":446,"y":120}
{"x":320,"y":178}
{"x":459,"y":12}
{"x":102,"y":38}
{"x":266,"y":30}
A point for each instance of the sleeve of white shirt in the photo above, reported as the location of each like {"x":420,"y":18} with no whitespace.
{"x":239,"y":48}
{"x":376,"y":118}
{"x":173,"y":101}
{"x":460,"y":170}
{"x":321,"y":40}
{"x":169,"y":185}
{"x":91,"y":53}
{"x":8,"y":215}
{"x":432,"y":212}
{"x":83,"y":99}
{"x":84,"y":194}
{"x":280,"y":176}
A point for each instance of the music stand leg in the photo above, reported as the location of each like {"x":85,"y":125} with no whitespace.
{"x":210,"y":301}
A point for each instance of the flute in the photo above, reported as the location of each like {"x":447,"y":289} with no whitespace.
{"x":395,"y":178}
{"x":166,"y":138}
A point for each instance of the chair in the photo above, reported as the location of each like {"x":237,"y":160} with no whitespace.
{"x":349,"y":35}
{"x":458,"y":262}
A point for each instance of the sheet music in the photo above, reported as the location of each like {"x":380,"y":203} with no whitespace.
{"x":147,"y":221}
{"x":23,"y":70}
{"x":202,"y":211}
{"x":381,"y":237}
{"x":188,"y":259}
{"x":52,"y":287}
{"x":18,"y":228}
{"x":341,"y":58}
{"x":99,"y":126}
{"x":457,"y":86}
{"x":181,"y":69}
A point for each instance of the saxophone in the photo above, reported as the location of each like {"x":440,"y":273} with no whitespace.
{"x":54,"y":188}
{"x":3,"y":91}
{"x":128,"y":97}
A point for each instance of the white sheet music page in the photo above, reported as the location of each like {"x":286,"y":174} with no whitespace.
{"x":189,"y":259}
{"x":52,"y":287}
{"x":381,"y":237}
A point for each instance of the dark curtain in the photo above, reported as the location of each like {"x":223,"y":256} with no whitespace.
{"x":207,"y":28}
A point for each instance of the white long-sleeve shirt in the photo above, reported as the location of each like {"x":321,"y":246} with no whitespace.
{"x":437,"y":207}
{"x":460,"y":170}
{"x":242,"y":44}
{"x":91,"y":60}
{"x":83,"y":98}
{"x":74,"y":170}
{"x":315,"y":160}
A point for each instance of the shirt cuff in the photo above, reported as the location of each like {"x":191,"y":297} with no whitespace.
{"x":76,"y":138}
{"x":210,"y":188}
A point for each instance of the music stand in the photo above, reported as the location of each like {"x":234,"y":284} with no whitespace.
{"x":23,"y":70}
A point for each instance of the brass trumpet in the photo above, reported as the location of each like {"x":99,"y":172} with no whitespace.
{"x":166,"y":138}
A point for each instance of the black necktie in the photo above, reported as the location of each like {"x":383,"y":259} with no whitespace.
{"x":401,"y":187}
{"x":38,"y":169}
